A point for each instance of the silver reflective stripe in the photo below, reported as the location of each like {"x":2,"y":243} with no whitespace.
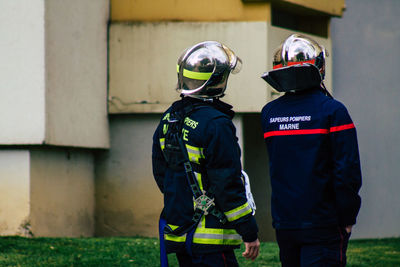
{"x":236,"y":215}
{"x":193,"y":151}
{"x":218,"y":236}
{"x":162,"y":143}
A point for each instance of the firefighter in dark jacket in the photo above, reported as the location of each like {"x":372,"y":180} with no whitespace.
{"x":196,"y":164}
{"x":313,"y":159}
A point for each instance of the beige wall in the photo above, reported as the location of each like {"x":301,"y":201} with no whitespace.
{"x":128,"y":201}
{"x":14,"y":191}
{"x":76,"y":72}
{"x":188,"y":10}
{"x":143,"y":60}
{"x":62,"y":192}
{"x":54,"y":84}
{"x":22,"y":72}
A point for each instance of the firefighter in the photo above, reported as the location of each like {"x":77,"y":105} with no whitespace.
{"x":197,"y":167}
{"x":313,"y":159}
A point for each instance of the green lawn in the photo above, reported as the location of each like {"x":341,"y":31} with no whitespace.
{"x":19,"y":251}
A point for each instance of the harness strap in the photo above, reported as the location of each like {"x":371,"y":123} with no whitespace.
{"x":203,"y":203}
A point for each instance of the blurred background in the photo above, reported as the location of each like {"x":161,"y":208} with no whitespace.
{"x":83,"y":84}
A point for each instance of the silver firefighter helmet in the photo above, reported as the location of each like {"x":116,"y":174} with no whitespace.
{"x":298,"y":49}
{"x":204,"y":68}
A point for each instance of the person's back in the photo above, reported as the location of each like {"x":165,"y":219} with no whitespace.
{"x":302,"y":131}
{"x":196,"y":164}
{"x":313,"y":159}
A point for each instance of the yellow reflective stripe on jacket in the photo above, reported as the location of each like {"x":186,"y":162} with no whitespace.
{"x":195,"y":153}
{"x":238,"y":212}
{"x":174,"y":238}
{"x":208,"y":236}
{"x":195,"y":74}
{"x":162,"y":143}
{"x":216,"y":236}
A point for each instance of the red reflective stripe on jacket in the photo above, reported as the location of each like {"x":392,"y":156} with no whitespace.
{"x":342,"y":127}
{"x":310,"y":131}
{"x":296,"y":132}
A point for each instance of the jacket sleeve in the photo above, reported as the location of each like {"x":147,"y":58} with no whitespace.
{"x":158,"y":162}
{"x":223,"y":167}
{"x":346,"y":166}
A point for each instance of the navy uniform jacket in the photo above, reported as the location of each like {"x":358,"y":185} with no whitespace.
{"x":313,"y":159}
{"x":211,"y":142}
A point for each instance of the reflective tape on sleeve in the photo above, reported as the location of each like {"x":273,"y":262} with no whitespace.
{"x":162,"y":143}
{"x":238,"y":212}
{"x":194,"y":153}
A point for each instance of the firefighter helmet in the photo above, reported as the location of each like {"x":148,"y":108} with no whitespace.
{"x":298,"y":49}
{"x":204,"y":68}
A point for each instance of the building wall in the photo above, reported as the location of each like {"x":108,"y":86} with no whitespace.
{"x":76,"y":72}
{"x":22,"y":72}
{"x":143,"y":60}
{"x":188,"y":10}
{"x":62,"y":192}
{"x":366,"y":44}
{"x":55,"y":80}
{"x":128,"y":201}
{"x":14,"y":191}
{"x":54,"y":92}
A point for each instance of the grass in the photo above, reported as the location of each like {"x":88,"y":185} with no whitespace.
{"x":136,"y":251}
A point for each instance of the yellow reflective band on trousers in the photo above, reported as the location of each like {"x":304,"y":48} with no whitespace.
{"x":195,"y":75}
{"x":162,"y":143}
{"x":195,"y":153}
{"x":238,"y":212}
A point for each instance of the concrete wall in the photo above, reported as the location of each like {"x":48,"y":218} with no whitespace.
{"x":128,"y":201}
{"x":143,"y":60}
{"x":62,"y":192}
{"x":54,"y":72}
{"x":189,"y":10}
{"x":22,"y":72}
{"x":76,"y":72}
{"x":14,"y":191}
{"x":54,"y":91}
{"x":366,"y":79}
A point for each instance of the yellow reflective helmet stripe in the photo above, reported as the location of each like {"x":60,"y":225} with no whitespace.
{"x":238,"y":212}
{"x":195,"y":75}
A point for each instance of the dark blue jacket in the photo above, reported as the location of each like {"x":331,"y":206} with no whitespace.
{"x":313,"y":159}
{"x":210,"y":138}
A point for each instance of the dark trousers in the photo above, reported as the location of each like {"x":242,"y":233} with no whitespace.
{"x":219,"y":259}
{"x":312,"y":247}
